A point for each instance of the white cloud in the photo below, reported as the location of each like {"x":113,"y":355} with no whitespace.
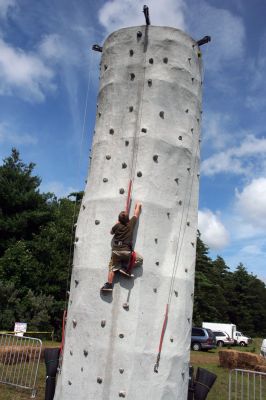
{"x":52,"y":47}
{"x":215,"y":131}
{"x":117,"y":14}
{"x":58,"y":188}
{"x":7,"y":135}
{"x":246,"y":158}
{"x":212,"y":230}
{"x":5,"y":5}
{"x":24,"y":74}
{"x":251,"y":202}
{"x":226,"y":29}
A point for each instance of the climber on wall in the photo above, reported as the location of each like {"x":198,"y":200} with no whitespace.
{"x":123,"y":257}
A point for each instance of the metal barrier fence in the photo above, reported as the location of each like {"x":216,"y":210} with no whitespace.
{"x":247,"y":385}
{"x":19,"y":361}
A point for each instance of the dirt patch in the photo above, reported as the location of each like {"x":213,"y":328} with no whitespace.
{"x":203,"y":358}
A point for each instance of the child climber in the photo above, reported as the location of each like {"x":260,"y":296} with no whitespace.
{"x":122,"y":249}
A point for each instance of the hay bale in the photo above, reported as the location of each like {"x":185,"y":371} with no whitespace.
{"x":228,"y":358}
{"x":239,"y":359}
{"x":260,"y":368}
{"x":248,"y":360}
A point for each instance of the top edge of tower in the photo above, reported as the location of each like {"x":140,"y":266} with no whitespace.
{"x":164,"y":32}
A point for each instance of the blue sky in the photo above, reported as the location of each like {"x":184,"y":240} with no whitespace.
{"x":49,"y":76}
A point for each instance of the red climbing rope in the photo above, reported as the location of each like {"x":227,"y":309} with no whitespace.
{"x":63,"y":332}
{"x":156,"y":366}
{"x":132,"y":261}
{"x":129,"y":196}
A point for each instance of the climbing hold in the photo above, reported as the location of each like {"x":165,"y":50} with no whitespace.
{"x":121,"y":191}
{"x":176,"y":293}
{"x":74,"y":322}
{"x":186,"y":270}
{"x":99,"y":114}
{"x":151,"y":60}
{"x":131,"y":52}
{"x":105,"y":67}
{"x":111,"y":131}
{"x":90,"y":157}
{"x":157,"y":263}
{"x":76,"y":239}
{"x":198,"y":175}
{"x":70,"y":383}
{"x":132,"y":76}
{"x":85,"y":352}
{"x":144,"y":130}
{"x":189,"y":59}
{"x":192,"y":244}
{"x":126,"y":142}
{"x":177,"y":180}
{"x":192,"y":130}
{"x":149,"y":82}
{"x":180,"y":202}
{"x":126,"y":306}
{"x":156,"y":240}
{"x":81,"y":369}
{"x":201,"y":111}
{"x":103,"y":323}
{"x":121,"y":370}
{"x":161,"y":113}
{"x":121,"y":335}
{"x":108,"y":157}
{"x":188,"y":169}
{"x":71,"y":352}
{"x":187,"y":110}
{"x":105,"y":180}
{"x":188,"y":223}
{"x":139,"y":174}
{"x":180,"y":137}
{"x":171,"y":339}
{"x":124,"y":165}
{"x":168,"y":215}
{"x":131,"y":108}
{"x":188,"y":320}
{"x":192,"y":79}
{"x":99,"y":380}
{"x":76,"y":282}
{"x":139,"y":34}
{"x":155,"y":158}
{"x":165,"y":60}
{"x":97,"y":222}
{"x":198,"y":119}
{"x":155,"y":290}
{"x":122,"y":393}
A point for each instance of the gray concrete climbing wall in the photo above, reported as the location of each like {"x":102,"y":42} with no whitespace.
{"x":147,"y":129}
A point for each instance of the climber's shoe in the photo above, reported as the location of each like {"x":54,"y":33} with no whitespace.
{"x":107,"y":287}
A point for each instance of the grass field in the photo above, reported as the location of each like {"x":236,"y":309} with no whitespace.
{"x":208,"y":360}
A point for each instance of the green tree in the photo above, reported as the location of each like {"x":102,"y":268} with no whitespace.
{"x":23,"y":210}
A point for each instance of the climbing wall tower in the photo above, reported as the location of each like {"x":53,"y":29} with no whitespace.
{"x":148,"y":131}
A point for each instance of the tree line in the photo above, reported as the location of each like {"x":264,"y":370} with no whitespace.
{"x":36,"y":250}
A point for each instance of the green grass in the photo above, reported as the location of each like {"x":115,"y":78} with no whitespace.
{"x":207,"y":360}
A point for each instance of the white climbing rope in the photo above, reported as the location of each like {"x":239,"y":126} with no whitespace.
{"x":136,"y":136}
{"x":78,"y":169}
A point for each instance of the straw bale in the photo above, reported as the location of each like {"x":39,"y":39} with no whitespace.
{"x":228,"y":358}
